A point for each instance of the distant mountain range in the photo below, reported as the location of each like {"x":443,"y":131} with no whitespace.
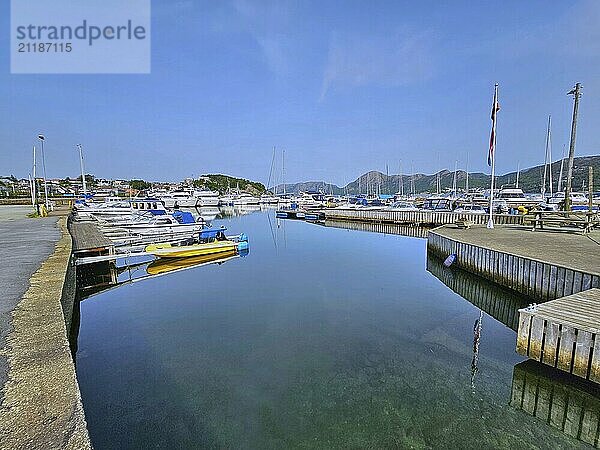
{"x":530,"y":180}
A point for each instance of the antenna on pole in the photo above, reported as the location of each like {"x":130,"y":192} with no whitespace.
{"x":576,"y":93}
{"x":82,"y":171}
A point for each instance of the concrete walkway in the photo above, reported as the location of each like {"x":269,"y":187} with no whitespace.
{"x":24,"y":244}
{"x":562,"y":248}
{"x":41,"y":404}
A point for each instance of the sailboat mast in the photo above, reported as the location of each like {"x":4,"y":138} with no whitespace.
{"x":283,"y":170}
{"x":454,"y":180}
{"x":467,"y":175}
{"x":271,"y":170}
{"x":546,"y":162}
{"x":560,"y":175}
{"x":438,"y":179}
{"x":400,"y":181}
{"x":549,"y":145}
{"x":518,"y":173}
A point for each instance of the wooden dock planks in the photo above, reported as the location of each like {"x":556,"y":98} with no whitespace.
{"x":564,"y":333}
{"x":88,"y":239}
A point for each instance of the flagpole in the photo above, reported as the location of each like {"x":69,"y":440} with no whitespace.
{"x":490,"y":223}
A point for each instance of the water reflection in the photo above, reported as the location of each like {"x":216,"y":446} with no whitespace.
{"x":239,"y":210}
{"x":98,"y":277}
{"x":329,"y":339}
{"x":162,"y":266}
{"x":502,"y":304}
{"x":95,"y":278}
{"x":566,"y":403}
{"x":210,"y":213}
{"x":385,"y":228}
{"x":476,"y":341}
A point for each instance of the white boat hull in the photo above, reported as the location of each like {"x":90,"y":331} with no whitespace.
{"x":204,"y":202}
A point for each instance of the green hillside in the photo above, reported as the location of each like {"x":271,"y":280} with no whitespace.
{"x":225,"y":183}
{"x":530,"y":180}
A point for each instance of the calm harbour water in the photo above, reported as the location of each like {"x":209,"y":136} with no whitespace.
{"x":319,"y":338}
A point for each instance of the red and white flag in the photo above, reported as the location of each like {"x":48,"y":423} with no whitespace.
{"x":495,"y":109}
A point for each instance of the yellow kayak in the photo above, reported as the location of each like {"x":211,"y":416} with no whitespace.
{"x":159,"y":266}
{"x":185,"y":251}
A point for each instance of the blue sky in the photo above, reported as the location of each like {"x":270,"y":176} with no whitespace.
{"x":342,"y":86}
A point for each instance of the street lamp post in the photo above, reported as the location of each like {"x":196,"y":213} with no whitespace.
{"x":82,"y":172}
{"x":42,"y":139}
{"x":34,"y":184}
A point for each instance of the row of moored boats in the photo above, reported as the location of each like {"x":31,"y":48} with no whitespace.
{"x":148,"y":225}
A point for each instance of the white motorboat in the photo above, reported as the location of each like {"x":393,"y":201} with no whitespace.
{"x":205,"y":198}
{"x":181,"y":198}
{"x":514,"y":198}
{"x":311,"y":200}
{"x":471,"y":209}
{"x":402,"y":206}
{"x":176,"y":223}
{"x":226,"y":200}
{"x":556,"y":202}
{"x":268,"y":199}
{"x":131,"y":219}
{"x":439,"y":203}
{"x":122,"y":208}
{"x":245,"y":199}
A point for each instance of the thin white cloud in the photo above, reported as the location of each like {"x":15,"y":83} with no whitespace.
{"x":392,"y":60}
{"x":268,"y":23}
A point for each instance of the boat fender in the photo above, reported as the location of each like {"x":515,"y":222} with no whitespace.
{"x":243,"y":246}
{"x":450,"y":260}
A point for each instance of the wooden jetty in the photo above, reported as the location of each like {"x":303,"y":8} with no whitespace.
{"x":563,"y":402}
{"x":88,"y":240}
{"x":564,"y":333}
{"x":308,"y":214}
{"x":422,"y":217}
{"x":541,"y":266}
{"x":374,"y":227}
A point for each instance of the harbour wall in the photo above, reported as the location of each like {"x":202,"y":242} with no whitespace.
{"x":498,"y":302}
{"x":42,"y":405}
{"x":378,"y":227}
{"x":537,"y":279}
{"x":429,"y":218}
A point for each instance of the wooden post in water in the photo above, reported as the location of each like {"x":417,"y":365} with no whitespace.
{"x":576,"y":92}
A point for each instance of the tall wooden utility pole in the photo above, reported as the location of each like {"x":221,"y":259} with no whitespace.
{"x":590,"y":188}
{"x":576,"y":93}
